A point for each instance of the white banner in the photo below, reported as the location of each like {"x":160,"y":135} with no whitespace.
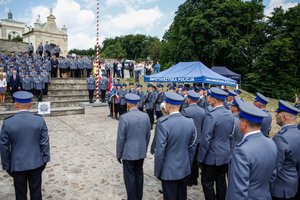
{"x":44,"y":108}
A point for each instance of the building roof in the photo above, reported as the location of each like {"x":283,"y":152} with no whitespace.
{"x":12,"y":21}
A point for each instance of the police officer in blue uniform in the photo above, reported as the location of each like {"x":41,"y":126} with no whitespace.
{"x":91,"y":86}
{"x":131,"y":88}
{"x":229,"y":99}
{"x":253,"y":160}
{"x":215,"y":150}
{"x":123,"y":106}
{"x":103,"y":88}
{"x":236,"y":137}
{"x":174,"y":149}
{"x":24,"y":147}
{"x":196,"y":113}
{"x":149,"y":103}
{"x":142,"y":96}
{"x":287,"y":141}
{"x":158,"y":100}
{"x":261,"y":102}
{"x":132,"y":142}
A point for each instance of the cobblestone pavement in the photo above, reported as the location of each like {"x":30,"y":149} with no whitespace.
{"x":83,"y":164}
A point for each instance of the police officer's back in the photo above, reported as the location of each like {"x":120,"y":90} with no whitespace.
{"x":24,"y":146}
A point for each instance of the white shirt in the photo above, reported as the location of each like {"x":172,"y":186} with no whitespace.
{"x":174,"y":113}
{"x":250,"y":133}
{"x":3,"y":83}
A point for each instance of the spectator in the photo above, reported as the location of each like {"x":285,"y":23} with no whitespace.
{"x":14,"y":84}
{"x":119,"y":69}
{"x":131,"y":69}
{"x":157,"y":68}
{"x":3,"y":86}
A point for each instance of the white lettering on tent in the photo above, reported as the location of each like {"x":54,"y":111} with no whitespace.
{"x":167,"y":79}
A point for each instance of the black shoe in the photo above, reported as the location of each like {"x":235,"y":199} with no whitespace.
{"x":160,"y":191}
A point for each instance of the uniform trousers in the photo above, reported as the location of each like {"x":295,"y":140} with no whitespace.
{"x":134,"y":178}
{"x":54,"y":72}
{"x":12,"y":92}
{"x":150,"y":113}
{"x":123,"y":109}
{"x":103,"y":93}
{"x":211,"y":174}
{"x":39,"y":95}
{"x":174,"y":190}
{"x":45,"y":90}
{"x":192,"y":179}
{"x":91,"y":95}
{"x":117,"y":109}
{"x":158,"y":114}
{"x":31,"y":177}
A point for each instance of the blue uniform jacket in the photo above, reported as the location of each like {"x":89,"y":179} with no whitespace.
{"x":197,"y":114}
{"x":141,"y":94}
{"x":287,"y":141}
{"x":251,"y":168}
{"x":266,"y":124}
{"x":175,"y":147}
{"x":149,"y":100}
{"x":91,"y":83}
{"x":24,"y":142}
{"x":158,"y":100}
{"x":236,"y":137}
{"x":217,"y":127}
{"x":133,"y":135}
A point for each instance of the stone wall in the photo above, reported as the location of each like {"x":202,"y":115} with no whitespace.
{"x":8,"y":46}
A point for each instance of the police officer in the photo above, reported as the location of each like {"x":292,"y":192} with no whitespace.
{"x":132,"y":143}
{"x":287,"y":141}
{"x":215,"y":150}
{"x":196,"y":113}
{"x":261,"y":102}
{"x":131,"y":88}
{"x":229,"y":99}
{"x":159,"y":99}
{"x":149,"y":103}
{"x":40,"y":49}
{"x":141,"y":94}
{"x":253,"y":160}
{"x":103,"y":88}
{"x":91,"y":86}
{"x":27,"y":83}
{"x":123,"y":106}
{"x":236,"y":137}
{"x":38,"y":85}
{"x":174,"y":149}
{"x":117,"y":101}
{"x":24,"y":146}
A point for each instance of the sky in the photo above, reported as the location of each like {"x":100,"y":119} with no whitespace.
{"x":117,"y":17}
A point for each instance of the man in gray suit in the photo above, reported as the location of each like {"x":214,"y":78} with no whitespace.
{"x":174,"y":149}
{"x":132,"y":142}
{"x":253,"y":160}
{"x":287,"y":141}
{"x":25,"y":149}
{"x":215,"y":149}
{"x":261,"y":102}
{"x":196,"y":113}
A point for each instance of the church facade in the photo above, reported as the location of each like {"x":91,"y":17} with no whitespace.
{"x":48,"y":31}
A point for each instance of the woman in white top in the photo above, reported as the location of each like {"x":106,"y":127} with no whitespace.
{"x":3,"y":85}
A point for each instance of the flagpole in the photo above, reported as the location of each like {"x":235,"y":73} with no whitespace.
{"x":97,"y":55}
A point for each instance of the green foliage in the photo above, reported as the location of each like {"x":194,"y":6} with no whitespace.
{"x":17,"y":39}
{"x":83,"y":52}
{"x":236,"y":34}
{"x":132,"y":47}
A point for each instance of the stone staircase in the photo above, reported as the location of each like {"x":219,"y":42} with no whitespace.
{"x":66,"y":97}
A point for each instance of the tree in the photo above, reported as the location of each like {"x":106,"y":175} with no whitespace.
{"x":114,"y":51}
{"x":17,"y":39}
{"x":83,"y":52}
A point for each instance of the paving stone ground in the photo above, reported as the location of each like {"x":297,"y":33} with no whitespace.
{"x":83,"y":164}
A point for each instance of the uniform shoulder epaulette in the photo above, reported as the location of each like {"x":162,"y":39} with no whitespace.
{"x":242,"y":142}
{"x":282,"y":131}
{"x":8,"y":117}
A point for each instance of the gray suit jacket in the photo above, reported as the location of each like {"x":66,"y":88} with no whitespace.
{"x":133,"y":135}
{"x":266,"y":124}
{"x":197,"y":114}
{"x":287,"y":141}
{"x":24,"y":142}
{"x":175,"y":147}
{"x":215,"y":141}
{"x":251,"y":167}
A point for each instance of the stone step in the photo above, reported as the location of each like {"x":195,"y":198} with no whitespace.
{"x":68,"y":81}
{"x":54,"y":104}
{"x":55,"y":86}
{"x":65,"y":97}
{"x":68,"y":92}
{"x":62,"y":111}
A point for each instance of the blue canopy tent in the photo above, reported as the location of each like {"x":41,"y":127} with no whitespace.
{"x":224,"y":71}
{"x":190,"y":72}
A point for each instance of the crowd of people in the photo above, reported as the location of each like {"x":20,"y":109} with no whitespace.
{"x":32,"y":71}
{"x":211,"y":129}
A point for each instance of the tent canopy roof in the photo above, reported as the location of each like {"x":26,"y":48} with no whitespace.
{"x":193,"y":72}
{"x":224,"y":71}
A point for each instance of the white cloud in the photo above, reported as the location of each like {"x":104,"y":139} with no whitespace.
{"x":3,"y":2}
{"x":277,"y":3}
{"x":128,"y":3}
{"x":132,"y":20}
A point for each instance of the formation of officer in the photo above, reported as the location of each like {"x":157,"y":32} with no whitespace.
{"x":132,"y":142}
{"x":24,"y":147}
